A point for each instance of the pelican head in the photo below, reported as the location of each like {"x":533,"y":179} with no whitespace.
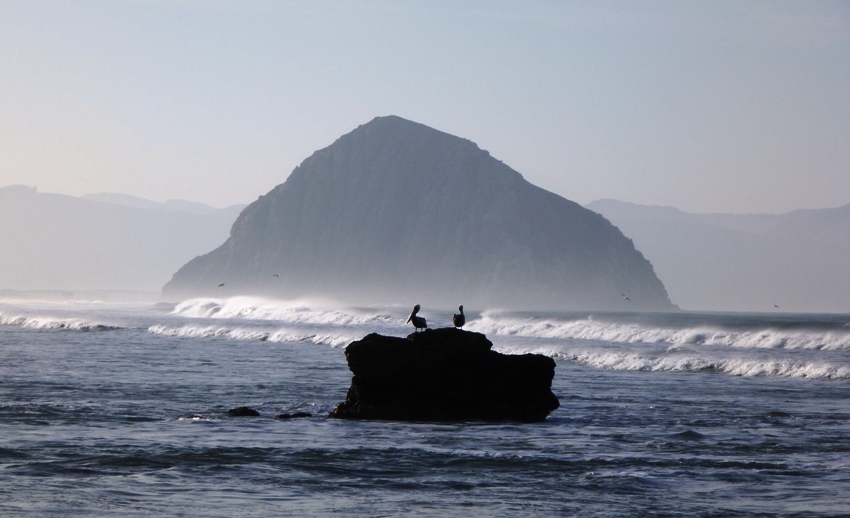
{"x":413,"y":313}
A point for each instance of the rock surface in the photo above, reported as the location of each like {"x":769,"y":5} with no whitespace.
{"x":243,"y":411}
{"x":445,"y":375}
{"x":395,"y":212}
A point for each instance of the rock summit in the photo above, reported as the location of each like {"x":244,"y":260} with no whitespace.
{"x":396,"y":211}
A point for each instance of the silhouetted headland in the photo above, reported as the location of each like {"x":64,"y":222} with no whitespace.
{"x":396,"y":210}
{"x":445,"y":375}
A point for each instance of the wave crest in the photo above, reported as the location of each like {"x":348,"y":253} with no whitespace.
{"x":47,"y":322}
{"x":588,"y":329}
{"x":747,"y":367}
{"x":290,"y":312}
{"x":279,"y":335}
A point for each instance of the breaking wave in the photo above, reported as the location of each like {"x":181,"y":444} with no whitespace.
{"x":732,"y":366}
{"x":290,"y":312}
{"x":793,"y":346}
{"x":679,"y":359}
{"x":280,"y":335}
{"x":589,"y":329}
{"x":47,"y":322}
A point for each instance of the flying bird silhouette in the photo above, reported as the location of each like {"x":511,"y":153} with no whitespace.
{"x":220,"y":285}
{"x":624,"y":296}
{"x":275,"y":275}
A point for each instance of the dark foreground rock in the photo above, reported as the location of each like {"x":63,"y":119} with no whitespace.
{"x":445,"y":375}
{"x":243,"y":411}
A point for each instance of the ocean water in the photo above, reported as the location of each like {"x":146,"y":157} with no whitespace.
{"x":121,"y":410}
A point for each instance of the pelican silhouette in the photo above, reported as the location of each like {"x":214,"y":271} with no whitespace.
{"x":459,"y":320}
{"x":418,"y":322}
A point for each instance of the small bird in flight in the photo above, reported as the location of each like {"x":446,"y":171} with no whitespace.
{"x":275,"y":275}
{"x":777,"y":307}
{"x":220,"y":285}
{"x":624,"y":296}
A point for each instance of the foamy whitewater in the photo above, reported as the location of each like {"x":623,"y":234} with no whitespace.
{"x":121,"y":410}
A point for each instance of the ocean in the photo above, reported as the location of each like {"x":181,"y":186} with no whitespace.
{"x":111,"y":409}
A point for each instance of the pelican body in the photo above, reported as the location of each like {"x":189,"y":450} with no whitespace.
{"x":459,"y":319}
{"x":418,"y":322}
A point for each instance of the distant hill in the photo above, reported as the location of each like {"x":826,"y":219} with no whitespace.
{"x":58,"y":242}
{"x":397,"y":212}
{"x":799,"y":261}
{"x":127,"y":200}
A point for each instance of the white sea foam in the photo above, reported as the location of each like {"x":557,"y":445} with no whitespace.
{"x":588,"y":329}
{"x":50,"y":322}
{"x":732,"y":366}
{"x":237,"y":333}
{"x":291,"y":312}
{"x":679,"y":359}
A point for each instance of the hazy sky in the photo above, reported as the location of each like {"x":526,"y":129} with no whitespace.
{"x":707,"y":106}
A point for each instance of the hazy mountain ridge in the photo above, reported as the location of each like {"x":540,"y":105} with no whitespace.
{"x":192,"y":207}
{"x":397,"y":212}
{"x":744,"y":262}
{"x":59,"y":242}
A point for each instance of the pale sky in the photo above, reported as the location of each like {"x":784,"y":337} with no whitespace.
{"x":707,"y":106}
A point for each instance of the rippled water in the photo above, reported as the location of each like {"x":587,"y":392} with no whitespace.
{"x":121,"y":411}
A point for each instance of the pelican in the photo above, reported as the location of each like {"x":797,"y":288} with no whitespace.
{"x":418,"y":322}
{"x":459,"y":320}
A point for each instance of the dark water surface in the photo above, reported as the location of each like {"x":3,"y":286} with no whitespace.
{"x":122,"y":421}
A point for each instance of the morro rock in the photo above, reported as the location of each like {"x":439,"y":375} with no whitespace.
{"x":445,"y":375}
{"x":395,"y":212}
